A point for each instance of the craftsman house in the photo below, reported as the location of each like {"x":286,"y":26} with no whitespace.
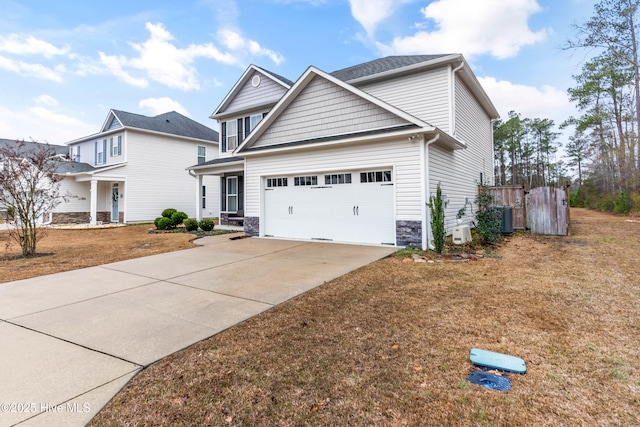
{"x":354,"y":155}
{"x":134,"y":168}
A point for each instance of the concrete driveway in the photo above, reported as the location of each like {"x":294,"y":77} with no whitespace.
{"x":70,"y":341}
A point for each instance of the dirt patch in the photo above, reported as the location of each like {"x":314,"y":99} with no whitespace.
{"x":389,"y":344}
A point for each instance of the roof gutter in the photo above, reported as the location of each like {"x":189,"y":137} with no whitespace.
{"x":453,"y":98}
{"x":426,"y":228}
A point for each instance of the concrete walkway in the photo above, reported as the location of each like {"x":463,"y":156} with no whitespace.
{"x":70,"y":341}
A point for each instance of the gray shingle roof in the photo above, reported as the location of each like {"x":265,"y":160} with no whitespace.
{"x":64,"y":167}
{"x":277,"y":76}
{"x":220,"y":161}
{"x":381,"y":65}
{"x":30,"y":145}
{"x":171,"y":123}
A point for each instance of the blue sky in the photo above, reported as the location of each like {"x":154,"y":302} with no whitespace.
{"x":65,"y":63}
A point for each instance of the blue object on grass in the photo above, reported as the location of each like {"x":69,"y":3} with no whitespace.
{"x":499,"y":361}
{"x":490,"y":381}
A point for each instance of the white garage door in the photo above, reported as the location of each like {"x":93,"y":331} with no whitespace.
{"x":352,"y":207}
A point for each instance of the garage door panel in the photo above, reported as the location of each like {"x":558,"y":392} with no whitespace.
{"x":349,"y":212}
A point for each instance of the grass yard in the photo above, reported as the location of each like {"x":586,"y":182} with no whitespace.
{"x":64,"y":249}
{"x":388,"y":345}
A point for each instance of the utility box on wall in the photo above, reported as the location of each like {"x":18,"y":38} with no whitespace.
{"x":461,"y":234}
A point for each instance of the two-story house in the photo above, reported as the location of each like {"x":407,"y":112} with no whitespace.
{"x":134,"y":168}
{"x":354,"y":155}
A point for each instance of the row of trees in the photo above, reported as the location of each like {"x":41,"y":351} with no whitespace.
{"x":605,"y":147}
{"x":604,"y":150}
{"x":526,"y":152}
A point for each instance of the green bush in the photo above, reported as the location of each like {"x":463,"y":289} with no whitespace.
{"x":437,"y":220}
{"x":206,"y":224}
{"x":157,"y":220}
{"x":622,"y":204}
{"x":190,"y":224}
{"x":178,"y":218}
{"x":487,"y":218}
{"x":606,"y":203}
{"x":168,"y":212}
{"x":164,"y":223}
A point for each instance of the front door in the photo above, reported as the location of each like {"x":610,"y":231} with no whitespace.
{"x":115,"y":196}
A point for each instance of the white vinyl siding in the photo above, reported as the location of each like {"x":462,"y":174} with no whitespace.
{"x":405,"y":163}
{"x":325,"y":109}
{"x":156,"y":178}
{"x":424,"y":95}
{"x":88,"y":150}
{"x":268,"y":92}
{"x":473,"y":126}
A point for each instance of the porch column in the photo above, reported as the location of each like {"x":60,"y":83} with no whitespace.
{"x":199,"y":198}
{"x":94,"y":202}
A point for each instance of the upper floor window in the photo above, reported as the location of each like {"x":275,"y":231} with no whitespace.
{"x":232,"y":135}
{"x":116,"y":146}
{"x":202,"y":154}
{"x":75,"y":153}
{"x":254,"y":119}
{"x":101,"y":152}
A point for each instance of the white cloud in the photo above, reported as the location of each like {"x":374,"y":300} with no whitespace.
{"x":41,"y":124}
{"x":162,"y":105}
{"x":46,"y":100}
{"x":34,"y":70}
{"x":546,"y":102}
{"x":18,"y":45}
{"x":160,"y":60}
{"x":370,"y":13}
{"x":234,"y":41}
{"x":496,"y":27}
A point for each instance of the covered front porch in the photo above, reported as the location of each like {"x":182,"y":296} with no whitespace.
{"x":230,"y":170}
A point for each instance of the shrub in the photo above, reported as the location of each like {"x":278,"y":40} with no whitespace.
{"x":178,"y":217}
{"x":190,"y":224}
{"x":164,"y":223}
{"x":207,"y":224}
{"x":622,"y":204}
{"x":168,"y":212}
{"x":157,"y":220}
{"x":437,"y":220}
{"x":487,"y":218}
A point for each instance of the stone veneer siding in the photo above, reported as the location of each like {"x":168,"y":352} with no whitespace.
{"x":252,"y":226}
{"x":81,"y":217}
{"x":409,"y":233}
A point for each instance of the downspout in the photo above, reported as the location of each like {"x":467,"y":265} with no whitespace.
{"x":452,"y":131}
{"x":426,"y":229}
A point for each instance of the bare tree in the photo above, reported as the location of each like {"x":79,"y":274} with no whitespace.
{"x":30,"y":189}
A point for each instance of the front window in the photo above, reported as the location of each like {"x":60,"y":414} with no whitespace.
{"x":254,"y":120}
{"x":232,"y":135}
{"x":232,"y":194}
{"x":101,"y":152}
{"x":202,"y":154}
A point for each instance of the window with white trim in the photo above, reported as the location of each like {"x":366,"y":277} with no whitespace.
{"x":254,"y":119}
{"x":76,"y":156}
{"x":232,"y":194}
{"x":202,"y":154}
{"x":232,"y":135}
{"x":276,"y":182}
{"x":116,"y":146}
{"x":305,"y":180}
{"x":375,"y":176}
{"x":337,"y":178}
{"x":101,"y":152}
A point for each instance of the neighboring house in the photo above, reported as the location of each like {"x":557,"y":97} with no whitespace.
{"x":25,"y":148}
{"x":134,"y":168}
{"x":354,"y":155}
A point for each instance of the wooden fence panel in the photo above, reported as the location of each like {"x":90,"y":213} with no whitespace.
{"x":547,"y":211}
{"x":514,"y":196}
